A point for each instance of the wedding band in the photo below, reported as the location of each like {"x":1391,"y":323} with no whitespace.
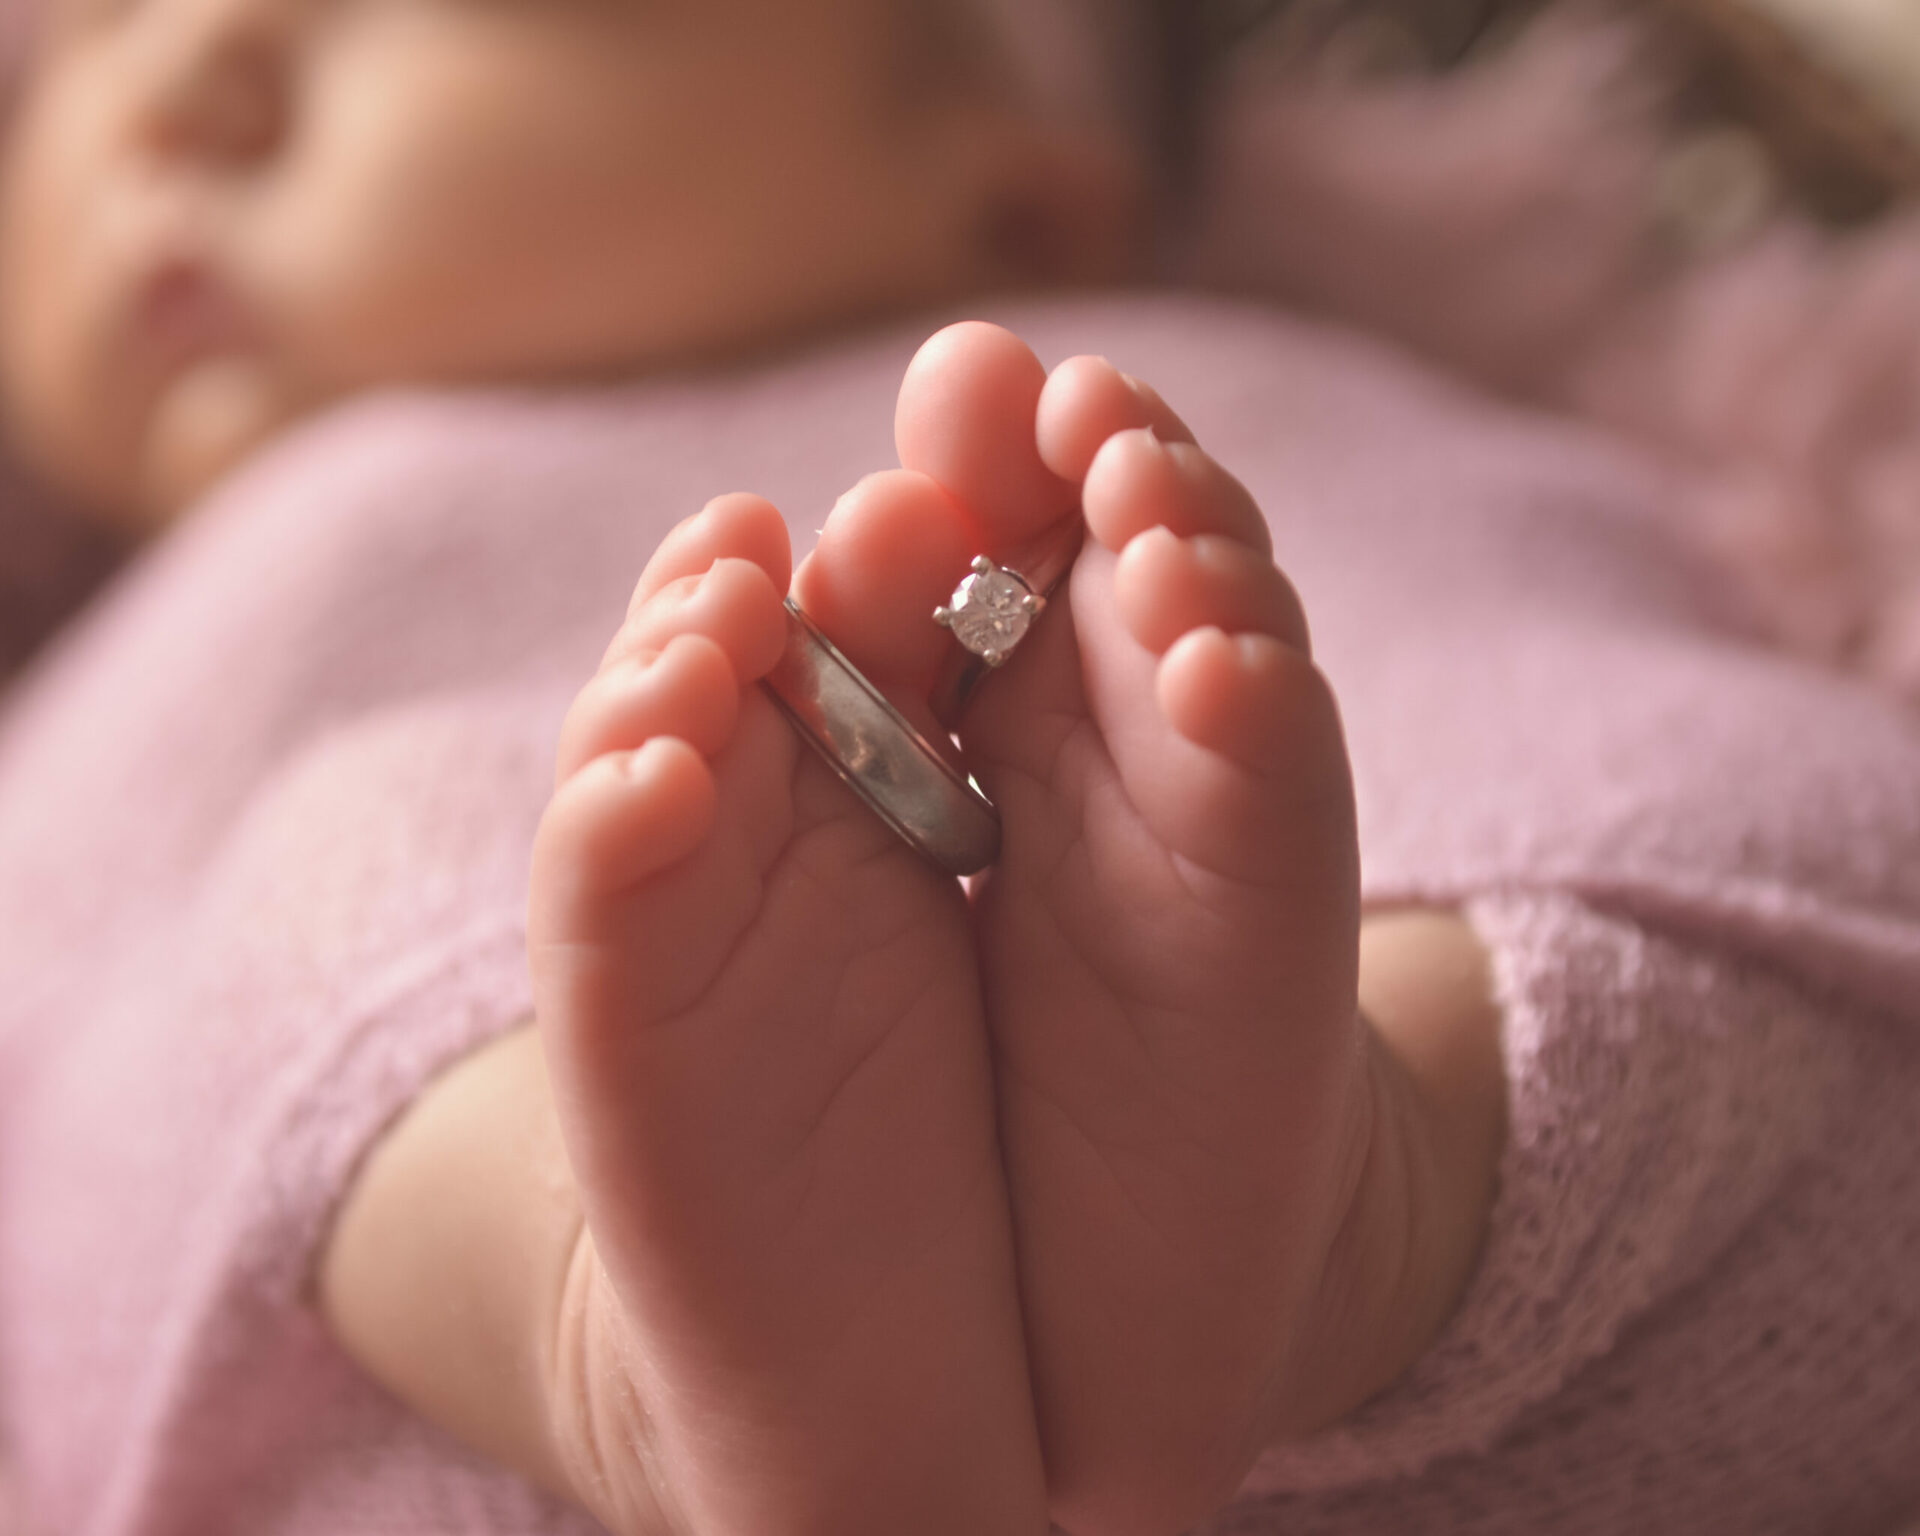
{"x":990,"y":614}
{"x":902,"y":776}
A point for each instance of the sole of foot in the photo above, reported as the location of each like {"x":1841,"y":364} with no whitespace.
{"x":795,"y":1307}
{"x":1170,"y":942}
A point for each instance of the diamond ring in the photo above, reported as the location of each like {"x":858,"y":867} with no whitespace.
{"x":991,"y":612}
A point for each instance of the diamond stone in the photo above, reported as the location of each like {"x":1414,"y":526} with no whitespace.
{"x":991,"y":613}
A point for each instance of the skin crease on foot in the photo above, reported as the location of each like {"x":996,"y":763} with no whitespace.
{"x":690,"y":1269}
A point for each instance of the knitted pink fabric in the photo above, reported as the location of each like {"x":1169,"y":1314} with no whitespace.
{"x":1505,"y":222}
{"x":264,"y":819}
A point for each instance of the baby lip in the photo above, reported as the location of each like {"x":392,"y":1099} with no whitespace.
{"x":185,"y":311}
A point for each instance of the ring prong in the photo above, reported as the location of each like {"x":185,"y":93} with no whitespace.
{"x":982,"y":566}
{"x":943,"y":617}
{"x":993,"y":658}
{"x":1034,"y":604}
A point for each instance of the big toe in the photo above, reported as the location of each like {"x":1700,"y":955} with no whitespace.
{"x":973,"y":483}
{"x":966,"y":420}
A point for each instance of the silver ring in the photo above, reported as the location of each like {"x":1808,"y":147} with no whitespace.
{"x":902,"y":776}
{"x":989,"y":615}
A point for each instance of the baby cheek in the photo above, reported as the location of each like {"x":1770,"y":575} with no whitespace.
{"x":416,"y":263}
{"x":32,"y":304}
{"x":437,"y":207}
{"x":65,"y":386}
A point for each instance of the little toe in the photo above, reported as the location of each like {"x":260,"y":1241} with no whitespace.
{"x":688,"y":691}
{"x":1085,"y":402}
{"x":966,"y":419}
{"x":1247,"y":778}
{"x":1164,"y":586}
{"x":1252,"y":699}
{"x":622,"y":819}
{"x":1137,"y":482}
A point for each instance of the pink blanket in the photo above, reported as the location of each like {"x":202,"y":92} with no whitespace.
{"x":1506,"y":222}
{"x":1503,"y":223}
{"x":264,"y":818}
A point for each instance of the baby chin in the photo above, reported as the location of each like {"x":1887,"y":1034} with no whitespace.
{"x":210,"y":416}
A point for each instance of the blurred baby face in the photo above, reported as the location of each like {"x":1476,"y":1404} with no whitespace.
{"x":222,"y":213}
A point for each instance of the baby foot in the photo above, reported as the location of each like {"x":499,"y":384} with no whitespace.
{"x":1170,"y":953}
{"x":1169,"y":943}
{"x":795,"y":1307}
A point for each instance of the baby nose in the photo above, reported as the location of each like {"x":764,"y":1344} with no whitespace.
{"x":221,"y":81}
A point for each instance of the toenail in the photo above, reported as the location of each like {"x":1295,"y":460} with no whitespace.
{"x":1190,"y":461}
{"x":1258,"y":653}
{"x":639,"y":760}
{"x":855,"y":489}
{"x":1159,"y":535}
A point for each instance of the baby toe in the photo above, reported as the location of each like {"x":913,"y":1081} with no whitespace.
{"x":1086,"y":401}
{"x":1137,"y":482}
{"x":892,"y":551}
{"x":966,"y":420}
{"x":739,"y":527}
{"x":688,"y":691}
{"x":622,"y":819}
{"x":734,"y":603}
{"x":1165,"y":586}
{"x":1252,"y":699}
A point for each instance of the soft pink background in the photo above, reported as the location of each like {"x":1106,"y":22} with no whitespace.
{"x":1502,"y":223}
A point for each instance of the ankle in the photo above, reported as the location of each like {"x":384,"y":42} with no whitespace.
{"x":1432,"y":1128}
